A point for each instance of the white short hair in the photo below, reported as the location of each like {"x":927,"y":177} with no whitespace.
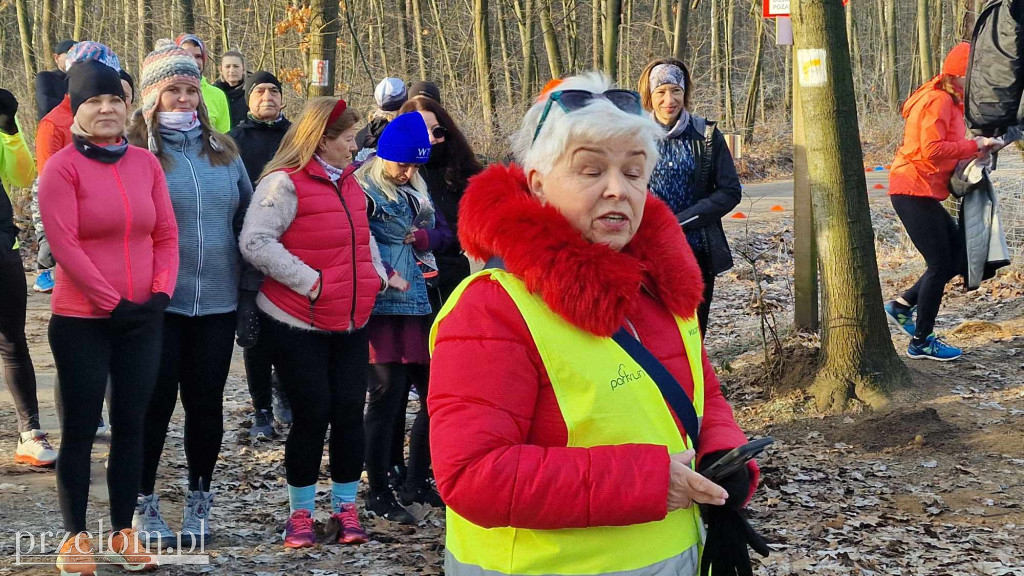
{"x":598,"y":121}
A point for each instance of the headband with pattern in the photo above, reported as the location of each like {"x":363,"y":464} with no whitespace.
{"x":667,"y":74}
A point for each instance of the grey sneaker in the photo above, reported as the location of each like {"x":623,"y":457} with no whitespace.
{"x":195,"y":522}
{"x":150,"y":524}
{"x":262,"y":425}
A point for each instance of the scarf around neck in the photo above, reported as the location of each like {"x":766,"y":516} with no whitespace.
{"x":180,"y":121}
{"x":109,"y":154}
{"x":680,"y":126}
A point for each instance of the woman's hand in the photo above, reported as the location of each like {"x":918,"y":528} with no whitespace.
{"x":398,"y":283}
{"x":686,"y":486}
{"x":411,"y":236}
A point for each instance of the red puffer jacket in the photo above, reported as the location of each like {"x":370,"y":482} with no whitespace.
{"x":497,"y":435}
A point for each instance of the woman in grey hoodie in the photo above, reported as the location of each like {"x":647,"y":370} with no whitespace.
{"x":210,"y":192}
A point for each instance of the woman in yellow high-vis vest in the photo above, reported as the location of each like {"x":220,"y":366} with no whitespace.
{"x":553,"y":448}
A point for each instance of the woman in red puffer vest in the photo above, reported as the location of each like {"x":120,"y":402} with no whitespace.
{"x":307,"y":230}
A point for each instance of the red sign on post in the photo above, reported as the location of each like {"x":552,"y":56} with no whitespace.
{"x":780,"y":8}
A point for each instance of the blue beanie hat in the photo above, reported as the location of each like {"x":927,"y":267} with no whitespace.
{"x":405,"y":140}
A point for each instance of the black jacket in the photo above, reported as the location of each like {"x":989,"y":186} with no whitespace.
{"x":993,"y":98}
{"x":238,"y":106}
{"x":51,"y":86}
{"x":452,"y":264}
{"x":258,"y":142}
{"x":368,"y":135}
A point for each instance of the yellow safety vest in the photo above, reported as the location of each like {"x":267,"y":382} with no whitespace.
{"x":606,"y":399}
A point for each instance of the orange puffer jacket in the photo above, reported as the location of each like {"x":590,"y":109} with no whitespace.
{"x":933,"y":142}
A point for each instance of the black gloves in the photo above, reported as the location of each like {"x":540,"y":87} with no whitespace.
{"x":729,"y":533}
{"x":126,"y":309}
{"x":8,"y":109}
{"x":247,"y":328}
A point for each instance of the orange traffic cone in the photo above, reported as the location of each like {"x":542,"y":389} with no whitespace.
{"x":777,"y":208}
{"x":739,"y":216}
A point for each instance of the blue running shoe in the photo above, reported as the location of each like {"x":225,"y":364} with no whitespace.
{"x":933,"y":349}
{"x":900,"y":317}
{"x":44,"y":282}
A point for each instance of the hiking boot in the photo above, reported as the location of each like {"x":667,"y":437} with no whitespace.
{"x":262,"y":425}
{"x":44,"y":282}
{"x":422,"y":493}
{"x":101,"y":428}
{"x":77,"y":557}
{"x":128,"y":552}
{"x":350,"y":531}
{"x":35,"y":450}
{"x":282,"y":408}
{"x":396,"y":477}
{"x":149,"y":523}
{"x":901,"y":316}
{"x":383,"y":505}
{"x":195,"y":521}
{"x":298,"y":531}
{"x":933,"y":349}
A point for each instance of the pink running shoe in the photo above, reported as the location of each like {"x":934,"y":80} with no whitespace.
{"x":298,"y":532}
{"x":350,"y":531}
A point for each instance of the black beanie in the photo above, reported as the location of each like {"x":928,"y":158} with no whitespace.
{"x":90,"y":78}
{"x":63,"y":46}
{"x":257,"y":78}
{"x":425,"y":88}
{"x":131,"y":82}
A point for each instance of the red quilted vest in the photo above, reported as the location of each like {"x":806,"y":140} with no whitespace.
{"x":331,"y":234}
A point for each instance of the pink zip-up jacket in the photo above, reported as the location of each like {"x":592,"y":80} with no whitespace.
{"x":111,"y":228}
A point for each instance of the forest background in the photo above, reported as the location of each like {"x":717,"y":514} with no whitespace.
{"x":491,"y":57}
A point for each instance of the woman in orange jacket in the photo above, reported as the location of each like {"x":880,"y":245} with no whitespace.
{"x":934,"y":141}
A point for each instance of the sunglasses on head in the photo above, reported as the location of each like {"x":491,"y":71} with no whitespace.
{"x":626,"y":100}
{"x":438,"y":132}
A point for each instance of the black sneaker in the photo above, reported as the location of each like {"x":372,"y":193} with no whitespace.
{"x":384,"y":505}
{"x":423,"y":493}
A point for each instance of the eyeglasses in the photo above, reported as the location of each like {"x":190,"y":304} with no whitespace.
{"x":438,"y":132}
{"x":626,"y":100}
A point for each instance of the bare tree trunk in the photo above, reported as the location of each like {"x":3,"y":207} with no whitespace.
{"x":403,"y":37}
{"x":443,"y":41}
{"x":859,"y":363}
{"x":679,"y":31}
{"x":323,"y":43}
{"x":858,"y":67}
{"x":937,"y":49}
{"x":750,"y":106}
{"x":730,"y":21}
{"x":28,"y":55}
{"x":145,"y":37}
{"x":529,"y":66}
{"x":80,"y":19}
{"x":49,"y":27}
{"x":572,"y":33}
{"x":595,"y":32}
{"x":890,"y":55}
{"x":503,"y":42}
{"x":554,"y":53}
{"x":716,"y":56}
{"x":225,"y":42}
{"x":482,"y":48}
{"x":186,"y":10}
{"x":611,"y":37}
{"x":924,"y":39}
{"x":380,"y":35}
{"x":417,"y":27}
{"x":665,"y":7}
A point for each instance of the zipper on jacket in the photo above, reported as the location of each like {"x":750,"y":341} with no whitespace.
{"x":127,"y":232}
{"x":352,"y":229}
{"x":199,"y":227}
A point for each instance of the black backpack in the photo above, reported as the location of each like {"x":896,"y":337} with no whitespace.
{"x":995,"y":70}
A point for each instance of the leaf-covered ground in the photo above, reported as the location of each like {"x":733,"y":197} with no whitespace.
{"x":931,"y":485}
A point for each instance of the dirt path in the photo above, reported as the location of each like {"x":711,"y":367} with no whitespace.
{"x":934,"y":485}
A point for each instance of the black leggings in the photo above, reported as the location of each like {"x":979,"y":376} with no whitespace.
{"x":324,"y":376}
{"x":385,"y":423}
{"x":18,"y":370}
{"x":196,"y":358}
{"x":937,"y":237}
{"x":704,"y":308}
{"x":87,"y":351}
{"x":259,"y":374}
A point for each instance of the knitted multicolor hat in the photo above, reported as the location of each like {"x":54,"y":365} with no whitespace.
{"x":193,"y":39}
{"x":84,"y":51}
{"x":166,"y":65}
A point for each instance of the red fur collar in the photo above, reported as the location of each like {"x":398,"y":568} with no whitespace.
{"x":590,"y":285}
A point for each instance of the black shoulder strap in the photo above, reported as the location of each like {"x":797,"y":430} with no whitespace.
{"x":667,"y":384}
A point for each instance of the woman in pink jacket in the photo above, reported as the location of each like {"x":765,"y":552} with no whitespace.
{"x":112,"y":229}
